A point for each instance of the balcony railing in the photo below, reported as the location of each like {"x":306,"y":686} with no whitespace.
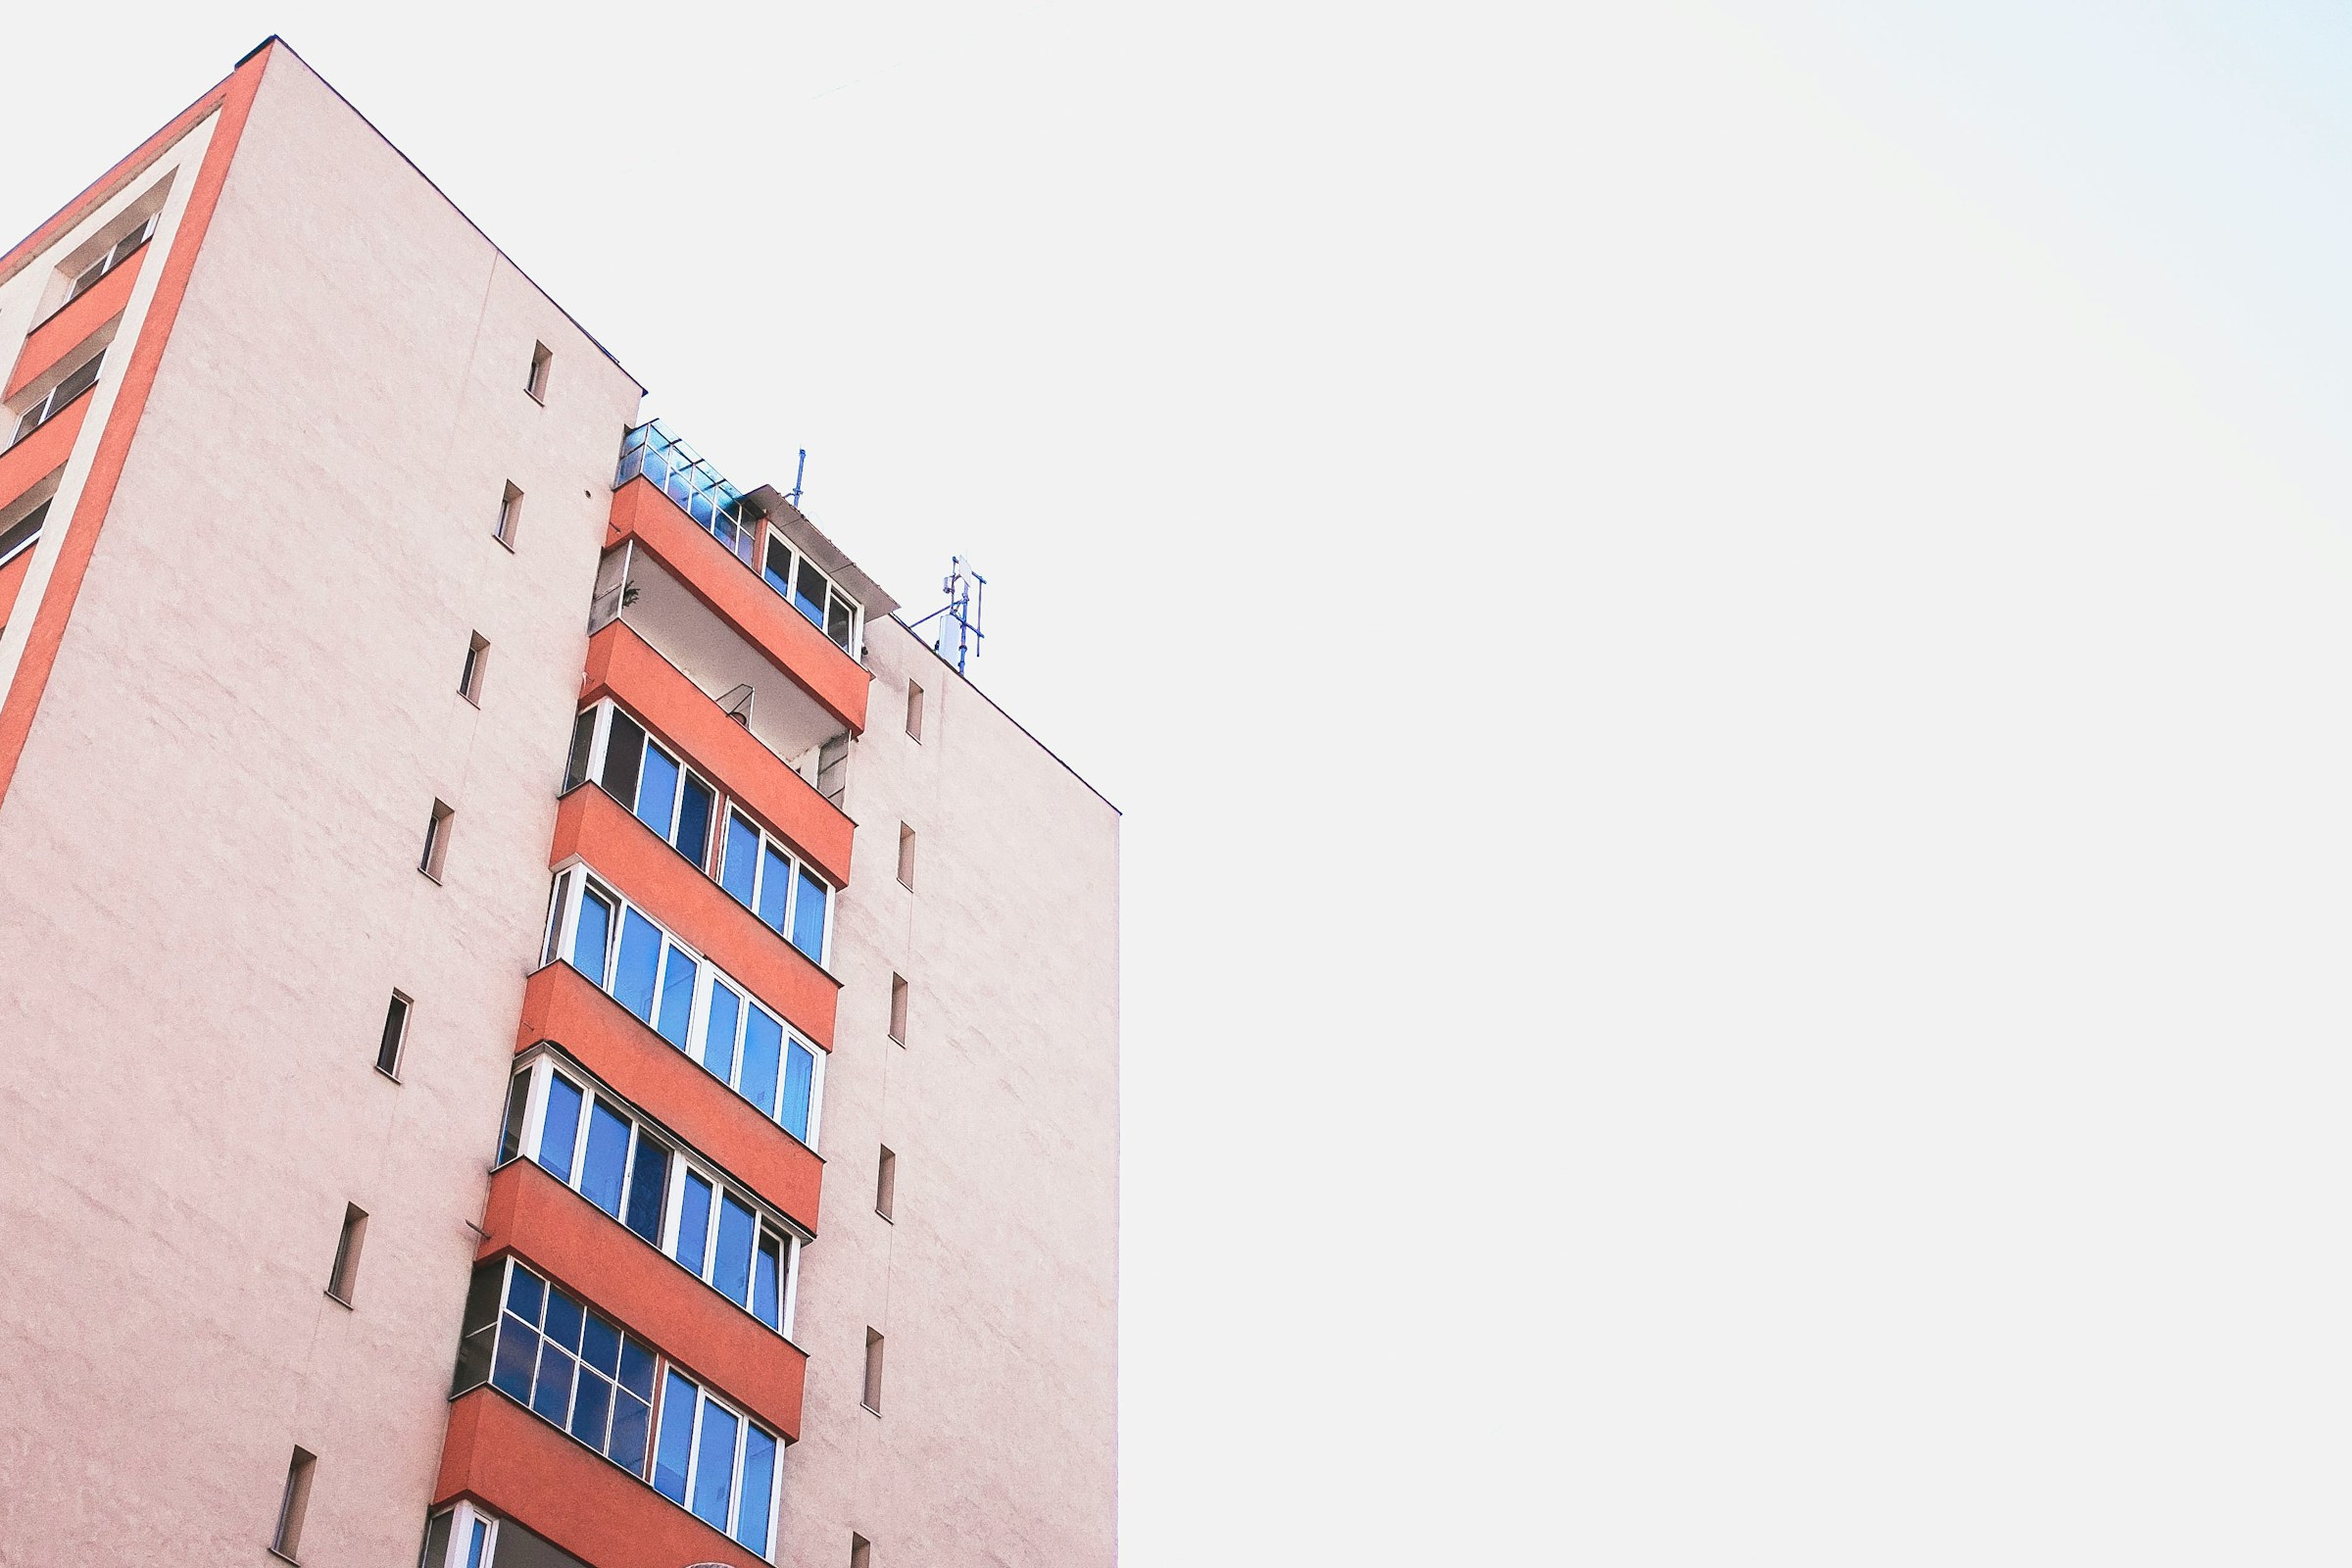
{"x":701,"y":491}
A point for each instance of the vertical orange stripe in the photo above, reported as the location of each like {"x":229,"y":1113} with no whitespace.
{"x":122,"y":423}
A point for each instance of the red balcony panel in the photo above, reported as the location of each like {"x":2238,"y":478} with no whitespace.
{"x":515,"y":1464}
{"x":32,"y":459}
{"x":742,"y":598}
{"x":55,"y":338}
{"x":12,"y":579}
{"x":562,"y":1005}
{"x":624,"y":667}
{"x":593,"y":1256}
{"x":702,"y":914}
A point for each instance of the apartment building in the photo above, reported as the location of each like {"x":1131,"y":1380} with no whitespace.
{"x":543,"y":1024}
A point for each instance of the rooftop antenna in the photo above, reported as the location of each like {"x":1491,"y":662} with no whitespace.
{"x":798,"y":474}
{"x":966,"y":588}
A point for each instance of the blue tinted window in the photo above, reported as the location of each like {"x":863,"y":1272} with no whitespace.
{"x":605,"y":1160}
{"x":593,"y":935}
{"x":809,"y":917}
{"x":518,"y":1354}
{"x":646,"y":1189}
{"x":694,"y":819}
{"x":637,"y":1369}
{"x":694,"y":1223}
{"x":657,"y":791}
{"x":763,"y":1040}
{"x":474,"y":1551}
{"x":565,"y":1319}
{"x":718,"y":1031}
{"x":739,"y":872}
{"x":778,"y":570}
{"x":640,"y":958}
{"x":590,"y":1411}
{"x":552,"y":1398}
{"x":731,"y":1272}
{"x":808,"y":591}
{"x":630,"y":1417}
{"x":758,"y":1476}
{"x":677,"y":1439}
{"x":523,"y":1295}
{"x":677,"y":996}
{"x":767,"y":1283}
{"x":775,"y":888}
{"x":715,"y":1467}
{"x":600,"y":1344}
{"x":560,"y":1129}
{"x":800,"y":1071}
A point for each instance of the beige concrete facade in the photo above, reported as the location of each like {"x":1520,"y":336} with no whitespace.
{"x":208,"y":883}
{"x":994,"y":1282}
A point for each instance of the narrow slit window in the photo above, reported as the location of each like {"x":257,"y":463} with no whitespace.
{"x":898,"y":1009}
{"x":914,"y":711}
{"x":395,"y":1041}
{"x":475,"y":667}
{"x":345,"y":1275}
{"x":509,"y":517}
{"x":886,"y":1182}
{"x":22,"y":534}
{"x":287,"y":1543}
{"x":436,"y":842}
{"x":541,"y":358}
{"x":873,"y":1372}
{"x":906,"y":855}
{"x":861,"y":1552}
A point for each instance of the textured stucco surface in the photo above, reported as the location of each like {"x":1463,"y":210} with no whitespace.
{"x":996,"y":1283}
{"x":207,"y":867}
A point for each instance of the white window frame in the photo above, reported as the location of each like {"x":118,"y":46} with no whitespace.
{"x":123,"y":250}
{"x":572,"y":881}
{"x":694,"y":1456}
{"x":731,"y":810}
{"x":463,"y":1518}
{"x":544,"y":1069}
{"x":796,"y":557}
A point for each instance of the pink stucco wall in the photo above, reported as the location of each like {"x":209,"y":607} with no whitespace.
{"x":996,"y":1281}
{"x":207,"y":867}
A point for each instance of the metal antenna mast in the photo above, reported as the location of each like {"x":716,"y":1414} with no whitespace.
{"x":798,"y":474}
{"x":965,"y":589}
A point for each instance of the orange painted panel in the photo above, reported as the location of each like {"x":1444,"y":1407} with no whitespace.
{"x":54,"y":338}
{"x":562,"y":1005}
{"x":11,"y":579}
{"x":702,"y":914}
{"x":41,"y":453}
{"x":742,"y":598}
{"x":624,"y":667}
{"x":515,"y":1464}
{"x":595,"y":1258}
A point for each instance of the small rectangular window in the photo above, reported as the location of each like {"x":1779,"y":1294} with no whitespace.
{"x":287,"y":1543}
{"x":476,"y":665}
{"x":345,"y":1275}
{"x":873,"y":1372}
{"x":584,"y":740}
{"x":396,"y":1038}
{"x":914,"y":711}
{"x":541,"y":358}
{"x":906,"y":855}
{"x":509,"y":518}
{"x":861,"y":1552}
{"x":898,"y":1009}
{"x":77,"y":380}
{"x":886,"y":1182}
{"x":436,"y":842}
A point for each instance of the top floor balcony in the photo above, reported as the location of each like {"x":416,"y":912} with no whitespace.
{"x":736,"y":589}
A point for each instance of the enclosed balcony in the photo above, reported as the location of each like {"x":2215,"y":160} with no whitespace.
{"x":744,"y":595}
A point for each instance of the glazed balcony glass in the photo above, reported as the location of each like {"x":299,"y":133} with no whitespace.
{"x":701,"y":491}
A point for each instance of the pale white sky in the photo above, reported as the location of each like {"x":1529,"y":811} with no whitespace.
{"x":1724,"y":634}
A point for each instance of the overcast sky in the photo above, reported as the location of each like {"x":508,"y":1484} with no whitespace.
{"x":1724,"y":634}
